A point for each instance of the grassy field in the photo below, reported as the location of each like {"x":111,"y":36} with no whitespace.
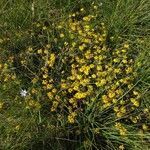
{"x":74,"y":74}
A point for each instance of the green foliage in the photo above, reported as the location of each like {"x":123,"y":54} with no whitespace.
{"x":46,"y":50}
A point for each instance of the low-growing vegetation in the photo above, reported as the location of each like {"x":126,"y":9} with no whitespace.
{"x":74,"y":75}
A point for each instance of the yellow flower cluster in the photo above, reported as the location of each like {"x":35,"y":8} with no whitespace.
{"x":79,"y":67}
{"x":51,"y":60}
{"x":95,"y":67}
{"x":71,"y":117}
{"x":33,"y":104}
{"x":6,"y":75}
{"x":121,"y":128}
{"x":76,"y":75}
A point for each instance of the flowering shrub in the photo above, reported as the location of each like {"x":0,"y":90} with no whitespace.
{"x":78,"y":77}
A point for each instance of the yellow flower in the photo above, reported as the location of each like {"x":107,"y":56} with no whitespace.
{"x":135,"y":93}
{"x":86,"y":70}
{"x":73,"y":14}
{"x":119,"y":91}
{"x":48,"y":46}
{"x":116,"y":109}
{"x":13,"y":77}
{"x":111,"y":94}
{"x":116,"y":60}
{"x":37,"y":105}
{"x":96,"y":130}
{"x":93,"y":76}
{"x":54,"y":106}
{"x":146,"y":110}
{"x":71,"y":117}
{"x":46,"y":51}
{"x":96,"y":57}
{"x":62,"y":35}
{"x":80,"y":32}
{"x":44,"y":28}
{"x":122,"y":102}
{"x":60,"y":27}
{"x":87,"y":27}
{"x":73,"y":44}
{"x":121,"y":129}
{"x":63,"y":85}
{"x":17,"y":127}
{"x":81,"y":47}
{"x":34,"y":91}
{"x":54,"y":90}
{"x":82,"y":9}
{"x":117,"y":125}
{"x":31,"y":103}
{"x":50,"y":95}
{"x":119,"y":114}
{"x":101,"y":83}
{"x":114,"y":101}
{"x":73,"y":27}
{"x":106,"y":105}
{"x":34,"y":80}
{"x":90,"y":89}
{"x":30,"y":49}
{"x":126,"y":46}
{"x":44,"y":82}
{"x":84,"y":82}
{"x":145,"y":127}
{"x":72,"y":100}
{"x":124,"y":50}
{"x":86,"y":18}
{"x":86,"y":40}
{"x":99,"y":68}
{"x":135,"y":102}
{"x":80,"y":95}
{"x":133,"y":119}
{"x":105,"y":99}
{"x":79,"y":77}
{"x":123,"y":132}
{"x":70,"y":90}
{"x":121,"y":147}
{"x":129,"y":70}
{"x":123,"y":110}
{"x":45,"y":76}
{"x":49,"y":86}
{"x":95,"y":7}
{"x":124,"y":61}
{"x":92,"y":66}
{"x":117,"y":70}
{"x":76,"y":88}
{"x":1,"y":105}
{"x":51,"y":60}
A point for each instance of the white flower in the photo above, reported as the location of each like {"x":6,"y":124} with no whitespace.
{"x":23,"y":93}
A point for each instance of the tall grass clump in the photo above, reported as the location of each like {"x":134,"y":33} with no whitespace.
{"x":74,"y":75}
